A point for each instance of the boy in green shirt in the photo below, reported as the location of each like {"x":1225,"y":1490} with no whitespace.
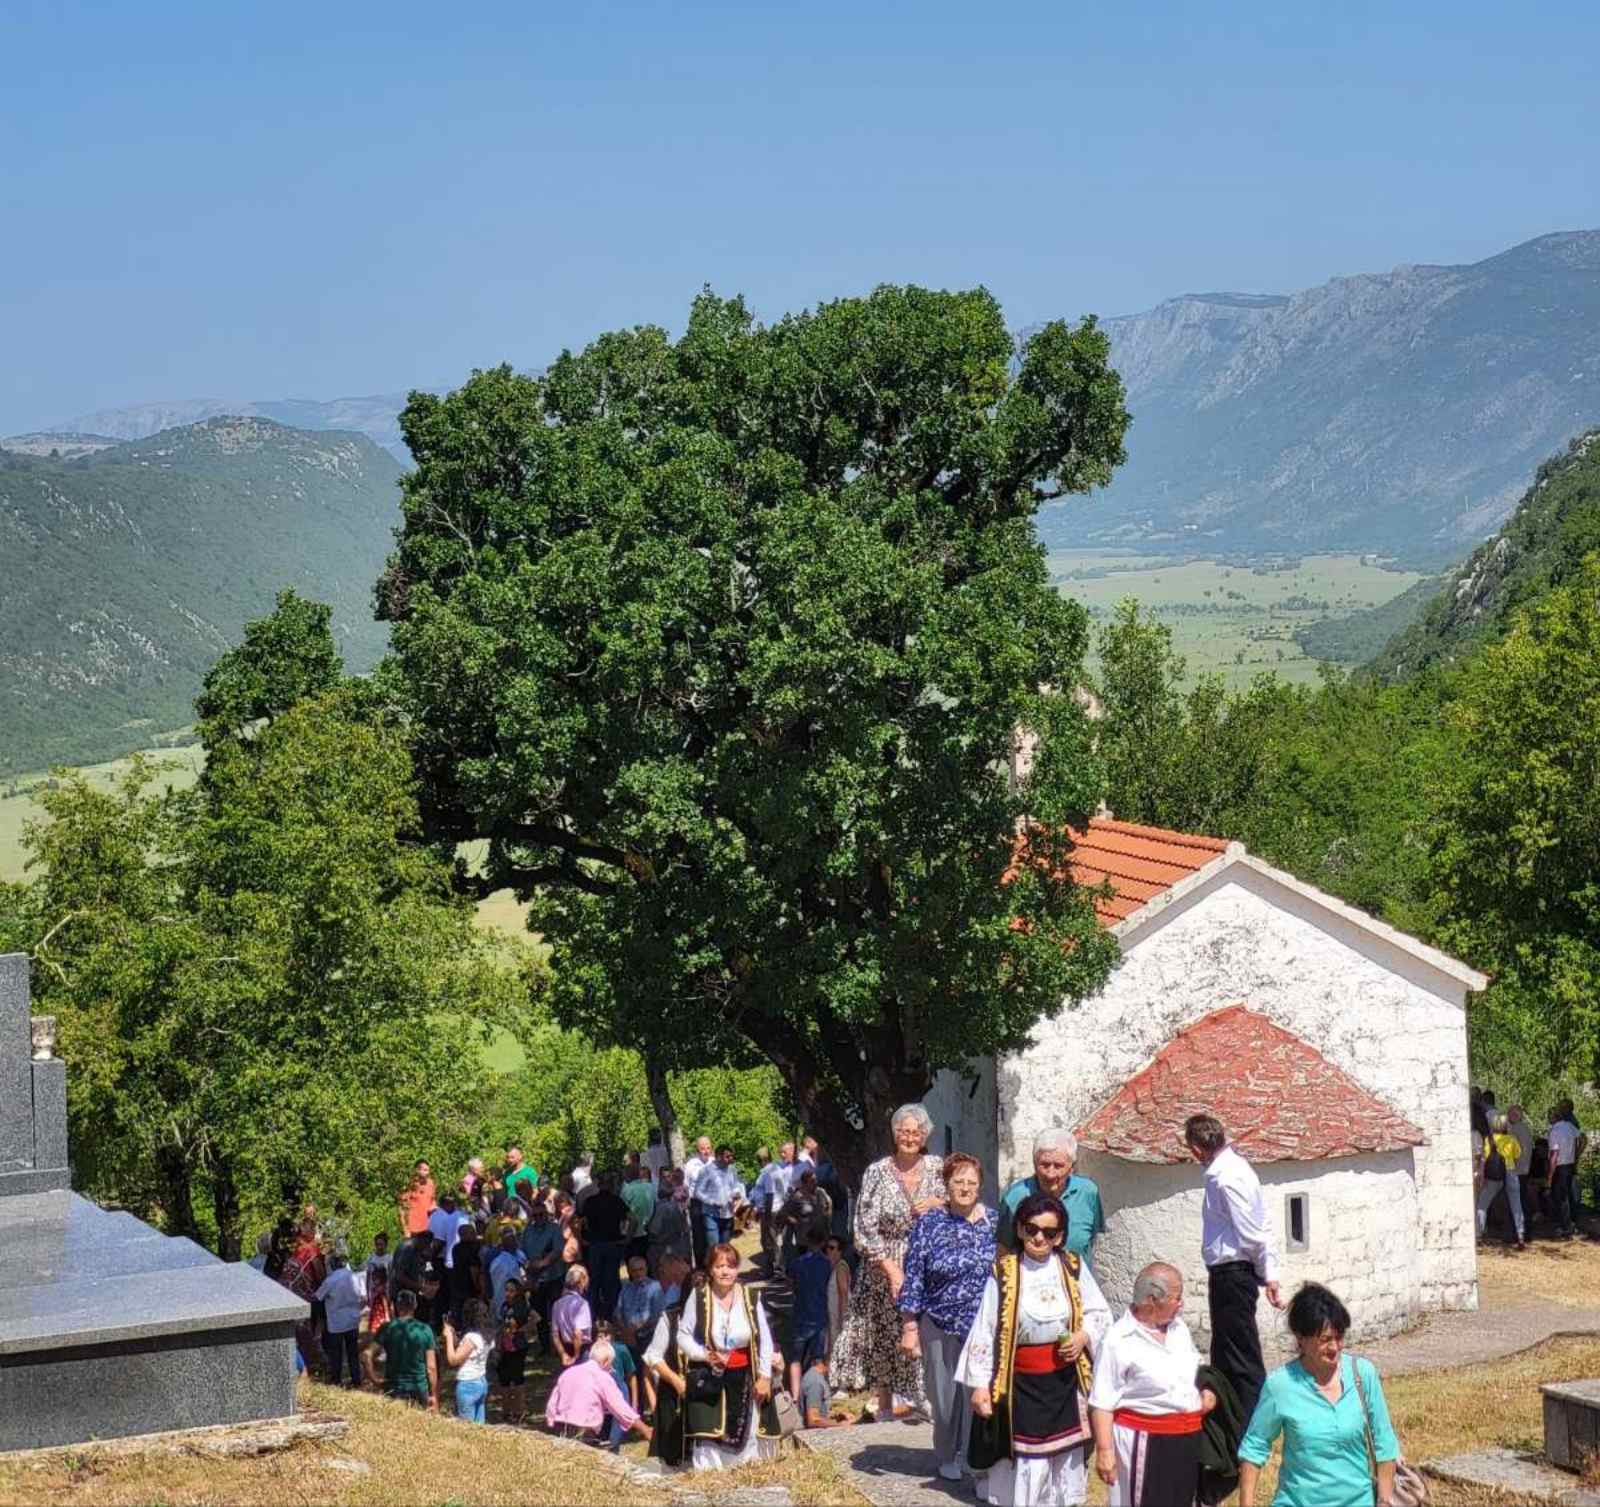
{"x":411,"y":1361}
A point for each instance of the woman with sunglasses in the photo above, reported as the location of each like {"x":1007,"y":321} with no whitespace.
{"x":1027,"y":1363}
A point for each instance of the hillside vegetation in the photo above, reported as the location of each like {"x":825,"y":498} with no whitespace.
{"x":1396,"y":412}
{"x":1542,"y":545}
{"x":129,"y":568}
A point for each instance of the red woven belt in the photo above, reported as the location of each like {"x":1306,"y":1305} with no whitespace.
{"x":739,"y":1360}
{"x":1159,"y":1423}
{"x":1037,"y":1360}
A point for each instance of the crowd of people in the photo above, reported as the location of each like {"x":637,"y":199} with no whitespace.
{"x":984,"y":1318}
{"x":1535,"y":1175}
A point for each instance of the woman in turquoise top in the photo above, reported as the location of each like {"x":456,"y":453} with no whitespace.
{"x":1314,"y":1403}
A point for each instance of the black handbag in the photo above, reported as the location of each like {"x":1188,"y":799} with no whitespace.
{"x":702,"y":1384}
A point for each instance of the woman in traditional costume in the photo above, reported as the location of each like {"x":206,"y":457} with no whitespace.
{"x":1028,"y":1364}
{"x":716,"y":1358}
{"x":1146,"y":1406}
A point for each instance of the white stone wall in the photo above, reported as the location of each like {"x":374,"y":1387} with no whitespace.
{"x":1362,"y":1220}
{"x":1388,"y":1019}
{"x":964,"y":1106}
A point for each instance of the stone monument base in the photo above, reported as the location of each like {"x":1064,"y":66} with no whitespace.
{"x":109,"y":1328}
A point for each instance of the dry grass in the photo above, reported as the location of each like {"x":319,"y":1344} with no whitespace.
{"x":1549,"y":1271}
{"x":411,"y":1458}
{"x":1444,"y":1412}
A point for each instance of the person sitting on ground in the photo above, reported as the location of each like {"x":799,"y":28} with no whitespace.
{"x":816,"y":1398}
{"x":411,"y":1362}
{"x":1324,"y":1403}
{"x":571,"y":1321}
{"x":639,"y":1305}
{"x":470,"y":1356}
{"x":342,"y":1300}
{"x":810,"y":1277}
{"x":585,"y":1394}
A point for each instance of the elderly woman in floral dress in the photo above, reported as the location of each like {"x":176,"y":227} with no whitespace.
{"x":895,"y":1192}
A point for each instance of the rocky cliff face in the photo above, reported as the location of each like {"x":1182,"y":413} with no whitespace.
{"x":1544,"y":541}
{"x":1400,"y":411}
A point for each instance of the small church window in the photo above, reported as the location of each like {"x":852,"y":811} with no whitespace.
{"x":1297,"y":1221}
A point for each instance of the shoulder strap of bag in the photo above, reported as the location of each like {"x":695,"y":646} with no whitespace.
{"x":1366,"y":1415}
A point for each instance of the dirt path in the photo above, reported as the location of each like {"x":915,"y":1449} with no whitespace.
{"x":1524,"y":1299}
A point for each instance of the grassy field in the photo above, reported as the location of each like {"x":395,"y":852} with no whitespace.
{"x":1231,"y":619}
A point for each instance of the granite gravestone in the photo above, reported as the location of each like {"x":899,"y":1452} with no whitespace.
{"x":108,"y":1327}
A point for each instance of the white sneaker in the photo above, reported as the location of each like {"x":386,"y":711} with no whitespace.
{"x":951,"y":1471}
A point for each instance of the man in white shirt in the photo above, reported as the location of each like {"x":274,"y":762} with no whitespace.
{"x":1563,"y":1158}
{"x":343,"y":1300}
{"x":692,"y":1169}
{"x":1144,"y":1407}
{"x":720,"y":1188}
{"x":445,"y":1223}
{"x":1236,"y":1245}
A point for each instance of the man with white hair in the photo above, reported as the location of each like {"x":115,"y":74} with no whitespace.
{"x":692,"y":1168}
{"x":1144,"y":1406}
{"x":1055,"y":1153}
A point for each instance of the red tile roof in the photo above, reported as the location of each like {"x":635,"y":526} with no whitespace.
{"x":1140,"y":862}
{"x":1280,"y":1099}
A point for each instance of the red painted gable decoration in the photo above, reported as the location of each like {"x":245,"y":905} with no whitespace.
{"x":1279,"y":1098}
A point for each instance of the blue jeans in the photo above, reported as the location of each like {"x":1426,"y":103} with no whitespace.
{"x":719,"y":1229}
{"x":470,"y":1397}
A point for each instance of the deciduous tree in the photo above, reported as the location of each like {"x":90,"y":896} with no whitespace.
{"x":721,"y":644}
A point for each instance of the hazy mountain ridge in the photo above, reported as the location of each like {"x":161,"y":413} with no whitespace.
{"x":1399,"y":411}
{"x":377,"y":417}
{"x":1543,"y":542}
{"x":130,"y":568}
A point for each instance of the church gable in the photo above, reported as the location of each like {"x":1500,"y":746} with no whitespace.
{"x":1285,"y":1101}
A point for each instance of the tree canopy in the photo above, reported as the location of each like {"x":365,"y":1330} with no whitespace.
{"x":265,"y":985}
{"x":721,"y":644}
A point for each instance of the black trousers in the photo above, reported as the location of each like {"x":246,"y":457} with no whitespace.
{"x":697,"y":1231}
{"x":1232,"y":1288}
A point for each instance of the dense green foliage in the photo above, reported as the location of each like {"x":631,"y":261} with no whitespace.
{"x":262,"y":983}
{"x":1460,"y":806}
{"x":721,"y":644}
{"x":1363,"y":634}
{"x":1543,"y":543}
{"x":129,"y":569}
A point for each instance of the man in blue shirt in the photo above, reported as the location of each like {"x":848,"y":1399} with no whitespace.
{"x":1055,"y":1153}
{"x":810,"y":1275}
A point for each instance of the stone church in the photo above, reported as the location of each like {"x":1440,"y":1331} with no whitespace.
{"x":1331,"y":1046}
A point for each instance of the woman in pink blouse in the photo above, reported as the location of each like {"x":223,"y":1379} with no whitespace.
{"x":895,"y":1193}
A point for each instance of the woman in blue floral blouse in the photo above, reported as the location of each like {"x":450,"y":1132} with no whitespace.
{"x":948,"y":1259}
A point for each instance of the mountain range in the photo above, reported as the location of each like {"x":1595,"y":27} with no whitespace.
{"x":1398,"y":412}
{"x":128,"y":568}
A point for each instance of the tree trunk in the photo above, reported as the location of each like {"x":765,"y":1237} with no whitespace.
{"x":177,"y":1196}
{"x":655,"y":1077}
{"x":230,"y":1219}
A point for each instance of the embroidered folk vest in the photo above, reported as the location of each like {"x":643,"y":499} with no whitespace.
{"x":1008,"y":1278}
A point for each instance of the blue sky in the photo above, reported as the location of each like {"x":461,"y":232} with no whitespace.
{"x":287,"y":200}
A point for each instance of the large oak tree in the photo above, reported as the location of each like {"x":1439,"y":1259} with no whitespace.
{"x":721,"y":644}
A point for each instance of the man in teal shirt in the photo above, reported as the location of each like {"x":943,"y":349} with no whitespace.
{"x":639,"y":1193}
{"x":1054,"y":1154}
